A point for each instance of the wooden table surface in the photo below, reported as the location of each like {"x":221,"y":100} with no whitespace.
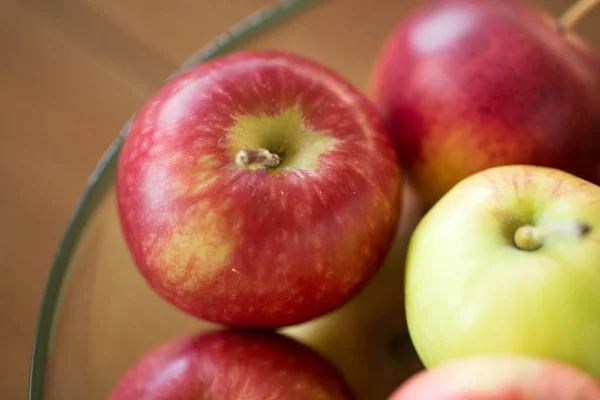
{"x":71,"y":73}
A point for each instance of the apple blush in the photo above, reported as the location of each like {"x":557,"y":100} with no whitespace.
{"x":259,"y":189}
{"x":466,"y":85}
{"x":232,"y":364}
{"x":500,"y":378}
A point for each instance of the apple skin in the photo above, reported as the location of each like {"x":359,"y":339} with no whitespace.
{"x":232,"y":364}
{"x":256,"y":247}
{"x":466,"y":85}
{"x":470,"y":290}
{"x":500,"y":378}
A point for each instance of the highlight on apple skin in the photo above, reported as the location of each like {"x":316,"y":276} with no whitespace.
{"x":466,"y":85}
{"x":259,"y":189}
{"x":488,"y":377}
{"x":508,"y":262}
{"x":232,"y":364}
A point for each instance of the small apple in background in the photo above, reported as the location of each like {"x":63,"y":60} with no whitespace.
{"x":508,"y":262}
{"x":467,"y":85}
{"x":259,"y":189}
{"x":367,"y":338}
{"x":500,"y":378}
{"x":231,"y":365}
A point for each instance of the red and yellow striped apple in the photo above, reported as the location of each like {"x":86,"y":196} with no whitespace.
{"x":508,"y":262}
{"x":231,"y":365}
{"x":467,"y":85}
{"x":500,"y":378}
{"x":259,"y":189}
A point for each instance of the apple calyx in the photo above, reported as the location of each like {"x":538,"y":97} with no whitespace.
{"x":263,"y":157}
{"x":529,"y":237}
{"x":574,"y":14}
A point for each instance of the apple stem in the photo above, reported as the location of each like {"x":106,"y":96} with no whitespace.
{"x":263,"y":157}
{"x":529,"y":237}
{"x":574,"y":14}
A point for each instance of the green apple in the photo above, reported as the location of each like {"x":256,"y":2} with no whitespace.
{"x":508,"y":262}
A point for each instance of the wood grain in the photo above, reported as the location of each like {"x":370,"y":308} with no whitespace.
{"x":71,"y":73}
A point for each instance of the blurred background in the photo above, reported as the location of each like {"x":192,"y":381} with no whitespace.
{"x":72,"y":72}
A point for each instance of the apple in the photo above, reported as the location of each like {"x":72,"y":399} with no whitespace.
{"x":466,"y":85}
{"x":508,"y":262}
{"x":500,"y":378}
{"x":367,"y":339}
{"x":259,"y":189}
{"x":232,"y":364}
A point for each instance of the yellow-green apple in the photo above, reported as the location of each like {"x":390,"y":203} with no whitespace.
{"x":259,"y":189}
{"x":367,"y":339}
{"x":508,"y":262}
{"x":466,"y":85}
{"x":500,"y":378}
{"x":232,"y":365}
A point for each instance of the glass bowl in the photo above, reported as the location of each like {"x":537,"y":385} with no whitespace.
{"x":98,"y":316}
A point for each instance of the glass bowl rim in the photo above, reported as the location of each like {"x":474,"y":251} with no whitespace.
{"x":99,"y":181}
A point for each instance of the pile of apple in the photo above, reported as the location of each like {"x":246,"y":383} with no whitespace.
{"x":260,"y":190}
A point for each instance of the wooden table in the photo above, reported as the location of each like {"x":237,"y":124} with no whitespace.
{"x":71,"y":73}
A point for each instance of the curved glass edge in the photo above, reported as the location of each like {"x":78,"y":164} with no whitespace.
{"x":103,"y":174}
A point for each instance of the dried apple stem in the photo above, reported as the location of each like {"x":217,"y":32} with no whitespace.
{"x":575,"y":13}
{"x":263,"y":157}
{"x":529,"y":237}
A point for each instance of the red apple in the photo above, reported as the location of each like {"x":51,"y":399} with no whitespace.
{"x":489,"y":377}
{"x":232,"y":365}
{"x":259,"y":189}
{"x":466,"y":85}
